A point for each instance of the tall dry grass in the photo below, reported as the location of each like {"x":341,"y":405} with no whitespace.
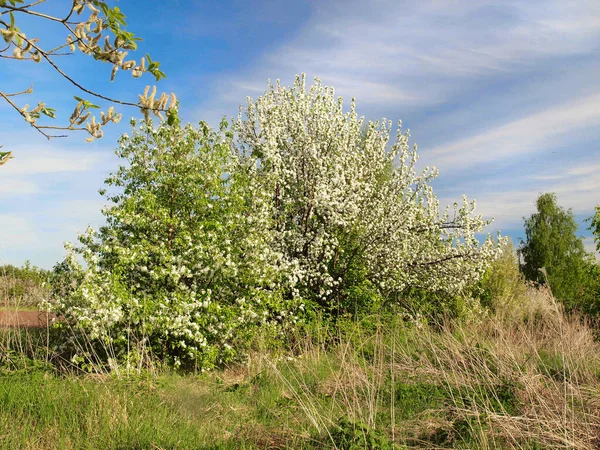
{"x":529,"y":379}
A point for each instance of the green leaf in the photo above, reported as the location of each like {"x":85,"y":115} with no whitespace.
{"x":4,"y":157}
{"x":12,"y":20}
{"x":131,"y":43}
{"x":116,"y":15}
{"x":172,"y":117}
{"x":50,"y":112}
{"x":85,"y":103}
{"x":158,"y":74}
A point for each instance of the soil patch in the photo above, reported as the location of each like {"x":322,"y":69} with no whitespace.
{"x":24,"y":319}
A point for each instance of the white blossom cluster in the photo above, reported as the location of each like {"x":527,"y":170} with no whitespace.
{"x":348,"y":204}
{"x":212,"y":234}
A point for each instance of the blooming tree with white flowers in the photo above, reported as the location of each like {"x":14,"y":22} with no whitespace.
{"x":298,"y":205}
{"x":350,"y":209}
{"x":184,"y":265}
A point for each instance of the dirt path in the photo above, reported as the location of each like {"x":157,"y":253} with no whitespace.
{"x":26,"y":319}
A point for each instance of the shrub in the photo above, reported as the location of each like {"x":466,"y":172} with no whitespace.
{"x":502,"y":287}
{"x":184,"y":265}
{"x":300,"y":206}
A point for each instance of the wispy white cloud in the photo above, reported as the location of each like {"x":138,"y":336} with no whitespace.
{"x":15,"y":186}
{"x":588,"y":169}
{"x":16,"y":231}
{"x":533,"y":133}
{"x":420,"y":53}
{"x":39,"y":235}
{"x":575,"y":189}
{"x":450,"y":37}
{"x":34,"y":167}
{"x":29,"y":161}
{"x":76,"y":215}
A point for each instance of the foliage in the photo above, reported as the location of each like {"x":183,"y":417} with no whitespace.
{"x":300,"y":206}
{"x":351,"y":211}
{"x":553,"y":253}
{"x":103,"y":36}
{"x":184,"y":265}
{"x":589,"y":300}
{"x":595,"y":227}
{"x":26,"y":273}
{"x":358,"y":436}
{"x":412,"y":399}
{"x":23,"y":286}
{"x":435,"y":307}
{"x":502,"y":287}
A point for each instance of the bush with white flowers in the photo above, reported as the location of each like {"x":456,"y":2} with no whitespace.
{"x":350,"y":211}
{"x":185,"y":265}
{"x":213,"y":234}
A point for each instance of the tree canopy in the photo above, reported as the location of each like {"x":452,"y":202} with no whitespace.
{"x":552,"y":252}
{"x":352,"y":210}
{"x":595,"y":227}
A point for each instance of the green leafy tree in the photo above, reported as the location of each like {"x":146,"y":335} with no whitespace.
{"x":595,"y":227}
{"x":94,"y":29}
{"x":552,"y":252}
{"x":183,"y":265}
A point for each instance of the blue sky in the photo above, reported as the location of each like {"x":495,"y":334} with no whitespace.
{"x":502,"y":96}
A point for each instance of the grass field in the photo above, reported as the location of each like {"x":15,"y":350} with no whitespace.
{"x":531,"y":383}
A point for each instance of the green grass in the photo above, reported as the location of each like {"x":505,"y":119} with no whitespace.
{"x":485,"y":385}
{"x":290,"y":405}
{"x":41,"y":410}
